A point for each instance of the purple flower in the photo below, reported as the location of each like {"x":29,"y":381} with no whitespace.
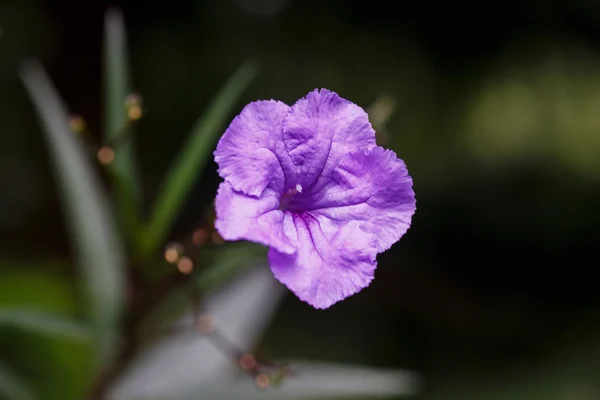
{"x":310,"y":182}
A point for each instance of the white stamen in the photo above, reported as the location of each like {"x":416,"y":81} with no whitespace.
{"x":299,"y":188}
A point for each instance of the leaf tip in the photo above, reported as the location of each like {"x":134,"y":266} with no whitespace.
{"x":30,"y":69}
{"x":251,"y":66}
{"x":113,"y":18}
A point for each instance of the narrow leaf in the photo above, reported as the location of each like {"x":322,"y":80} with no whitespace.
{"x":228,"y":262}
{"x":12,"y":387}
{"x":315,"y":381}
{"x":44,"y":323}
{"x":180,"y":364}
{"x":35,"y":284}
{"x":87,"y":213}
{"x":117,"y":87}
{"x":192,"y":158}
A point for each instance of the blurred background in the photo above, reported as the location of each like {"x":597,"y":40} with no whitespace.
{"x":494,"y":106}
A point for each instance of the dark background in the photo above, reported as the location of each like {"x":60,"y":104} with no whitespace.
{"x":497,"y":115}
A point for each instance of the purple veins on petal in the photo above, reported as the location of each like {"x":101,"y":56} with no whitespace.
{"x":309,"y":182}
{"x":372,"y":187}
{"x":331,"y":264}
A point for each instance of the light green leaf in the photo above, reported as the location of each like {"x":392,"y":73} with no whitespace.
{"x":242,"y":309}
{"x":12,"y":387}
{"x":88,"y":215}
{"x":44,"y":323}
{"x":117,"y":87}
{"x":192,"y":158}
{"x":316,"y":380}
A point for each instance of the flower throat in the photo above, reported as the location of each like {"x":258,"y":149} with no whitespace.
{"x":287,"y":197}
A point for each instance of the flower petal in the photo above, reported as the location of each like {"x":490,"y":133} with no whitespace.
{"x":251,"y":154}
{"x":372,"y":187}
{"x":332,"y":262}
{"x":319,"y":130}
{"x":259,"y":220}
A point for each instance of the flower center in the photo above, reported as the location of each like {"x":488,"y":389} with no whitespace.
{"x":287,"y":196}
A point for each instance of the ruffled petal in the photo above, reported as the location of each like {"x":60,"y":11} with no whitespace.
{"x":251,"y":154}
{"x":369,"y":186}
{"x":331,"y":264}
{"x":243,"y":217}
{"x":319,"y":130}
{"x":310,"y":182}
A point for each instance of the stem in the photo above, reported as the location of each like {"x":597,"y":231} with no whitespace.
{"x":142,"y":301}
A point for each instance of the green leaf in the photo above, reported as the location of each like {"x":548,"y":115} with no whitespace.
{"x":34,"y":285}
{"x":192,"y":158}
{"x":87,"y":213}
{"x":51,"y":324}
{"x":229,"y":262}
{"x":242,"y":309}
{"x":223,"y":265}
{"x":12,"y":387}
{"x":316,"y":380}
{"x":117,"y":87}
{"x":39,"y":316}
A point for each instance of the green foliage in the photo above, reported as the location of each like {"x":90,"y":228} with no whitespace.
{"x":118,"y":127}
{"x":192,"y":158}
{"x":44,"y":323}
{"x":39,"y":327}
{"x":32,"y":285}
{"x":11,"y":386}
{"x":38,"y":311}
{"x":99,"y":254}
{"x":222,"y":264}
